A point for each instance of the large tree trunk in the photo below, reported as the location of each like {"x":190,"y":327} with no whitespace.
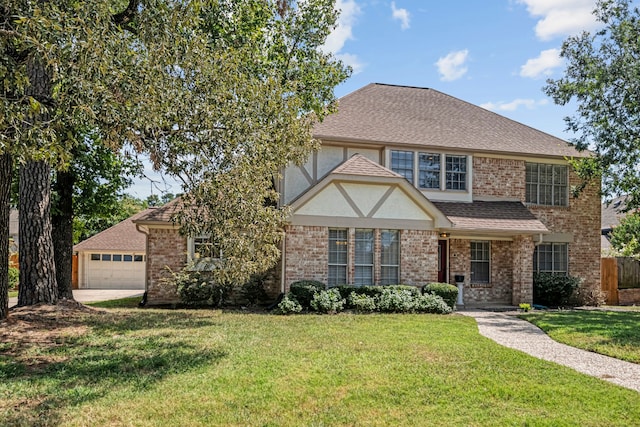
{"x":5,"y":197}
{"x":62,"y":233}
{"x":37,"y":267}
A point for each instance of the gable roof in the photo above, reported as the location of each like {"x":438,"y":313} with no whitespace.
{"x":499,"y":216}
{"x":159,"y":215}
{"x":422,"y":117}
{"x":360,"y":165}
{"x":612,"y":213}
{"x":121,"y":237}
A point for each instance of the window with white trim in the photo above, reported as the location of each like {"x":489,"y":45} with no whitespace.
{"x":338,"y":256}
{"x":455,"y":172}
{"x":429,"y":170}
{"x":389,"y":257}
{"x":363,"y":265}
{"x":551,"y":258}
{"x":547,"y":184}
{"x":203,"y":247}
{"x":480,"y":261}
{"x":402,"y":163}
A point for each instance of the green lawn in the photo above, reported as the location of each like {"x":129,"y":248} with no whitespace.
{"x":13,"y":294}
{"x":614,"y":333}
{"x":201,"y":368}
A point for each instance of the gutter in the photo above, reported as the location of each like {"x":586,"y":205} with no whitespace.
{"x":145,"y":230}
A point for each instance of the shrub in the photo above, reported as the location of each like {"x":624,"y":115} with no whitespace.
{"x":371,"y":291}
{"x":431,"y":303}
{"x":396,"y":300}
{"x":303,"y":291}
{"x":415,"y":291}
{"x":198,"y":288}
{"x":289,"y":305}
{"x":14,"y":277}
{"x":449,"y":293}
{"x":345,"y":291}
{"x":362,"y":303}
{"x":253,"y":291}
{"x":328,"y":301}
{"x":553,"y":290}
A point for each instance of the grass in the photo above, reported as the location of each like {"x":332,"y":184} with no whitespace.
{"x":613,"y":333}
{"x":131,"y":302}
{"x":13,"y":294}
{"x":200,"y":368}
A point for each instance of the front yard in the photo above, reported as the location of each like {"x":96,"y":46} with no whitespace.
{"x":189,"y":367}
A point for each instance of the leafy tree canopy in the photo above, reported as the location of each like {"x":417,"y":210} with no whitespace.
{"x":625,"y":237}
{"x":602,"y":76}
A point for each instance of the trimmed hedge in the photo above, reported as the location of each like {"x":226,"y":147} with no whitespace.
{"x":554,"y":290}
{"x":329,"y":302}
{"x":304,"y":290}
{"x":449,"y":293}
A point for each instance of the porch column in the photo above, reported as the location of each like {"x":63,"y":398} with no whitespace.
{"x":523,"y":248}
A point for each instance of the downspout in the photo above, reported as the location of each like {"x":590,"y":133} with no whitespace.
{"x":145,"y":230}
{"x":284,"y":258}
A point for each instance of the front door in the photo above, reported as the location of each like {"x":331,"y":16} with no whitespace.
{"x":442,"y":261}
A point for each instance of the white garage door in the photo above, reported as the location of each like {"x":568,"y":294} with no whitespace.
{"x":114,"y":271}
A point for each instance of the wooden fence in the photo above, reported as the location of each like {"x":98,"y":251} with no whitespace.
{"x":14,"y":262}
{"x":620,"y":280}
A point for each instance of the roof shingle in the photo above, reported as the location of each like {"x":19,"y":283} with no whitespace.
{"x":360,"y":165}
{"x":121,"y":237}
{"x":401,"y":115}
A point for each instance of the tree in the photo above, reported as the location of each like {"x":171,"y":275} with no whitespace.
{"x":220,"y":94}
{"x":602,"y":76}
{"x":625,"y":237}
{"x":6,"y":166}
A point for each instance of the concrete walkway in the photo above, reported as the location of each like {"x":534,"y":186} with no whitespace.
{"x":509,"y":331}
{"x":94,"y":295}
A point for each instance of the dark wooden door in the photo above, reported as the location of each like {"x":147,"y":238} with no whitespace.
{"x":442,"y":261}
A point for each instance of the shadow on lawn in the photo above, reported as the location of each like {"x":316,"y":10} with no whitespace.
{"x":116,"y":351}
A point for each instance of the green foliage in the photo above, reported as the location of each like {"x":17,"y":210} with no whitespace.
{"x":88,"y":222}
{"x":289,"y":305}
{"x":329,"y":301}
{"x":362,"y":303}
{"x":345,"y":291}
{"x":625,"y":237}
{"x":554,"y":290}
{"x":14,"y":277}
{"x":431,"y":303}
{"x":253,"y":290}
{"x":197,"y":288}
{"x":448,"y":292}
{"x":396,"y":301}
{"x":304,"y":290}
{"x":601,"y":78}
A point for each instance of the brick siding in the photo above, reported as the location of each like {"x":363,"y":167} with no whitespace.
{"x":166,"y":248}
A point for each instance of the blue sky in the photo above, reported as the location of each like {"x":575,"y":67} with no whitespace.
{"x":493,"y":53}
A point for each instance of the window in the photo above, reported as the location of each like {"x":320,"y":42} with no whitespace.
{"x":138,"y":258}
{"x":106,"y":257}
{"x":128,"y":258}
{"x":117,"y":257}
{"x":546,"y":184}
{"x":480,"y":257}
{"x":551,"y":258}
{"x":389,"y":257}
{"x":204,"y":248}
{"x":337,"y":257}
{"x":363,"y":271}
{"x":95,"y":257}
{"x":429,"y":170}
{"x":402,"y":163}
{"x":456,"y":172}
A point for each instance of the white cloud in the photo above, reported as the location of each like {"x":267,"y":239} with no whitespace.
{"x":351,"y":60}
{"x":401,"y":15}
{"x":561,"y":17}
{"x":543,"y":65}
{"x":452,"y":66}
{"x":529,"y":104}
{"x":349,"y":11}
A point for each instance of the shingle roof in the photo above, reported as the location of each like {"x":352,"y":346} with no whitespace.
{"x":121,"y":237}
{"x":388,"y":114}
{"x":500,"y":216}
{"x":612,"y":213}
{"x":160,"y":214}
{"x":360,"y":165}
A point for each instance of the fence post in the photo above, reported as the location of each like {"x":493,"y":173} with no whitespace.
{"x":609,"y":279}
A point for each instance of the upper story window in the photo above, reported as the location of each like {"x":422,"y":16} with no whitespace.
{"x":435,"y":171}
{"x":402,"y":163}
{"x":429,"y":170}
{"x":547,"y":184}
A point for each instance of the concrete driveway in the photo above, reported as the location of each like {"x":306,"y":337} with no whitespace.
{"x":93,"y":295}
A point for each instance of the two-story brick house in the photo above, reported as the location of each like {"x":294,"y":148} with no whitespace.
{"x":414,"y":186}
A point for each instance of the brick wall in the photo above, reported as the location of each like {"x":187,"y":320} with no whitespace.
{"x":502,"y":178}
{"x":307,"y":250}
{"x":628,"y":296}
{"x":499,"y":289}
{"x":523,"y":248}
{"x":166,"y":248}
{"x":418,"y":257}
